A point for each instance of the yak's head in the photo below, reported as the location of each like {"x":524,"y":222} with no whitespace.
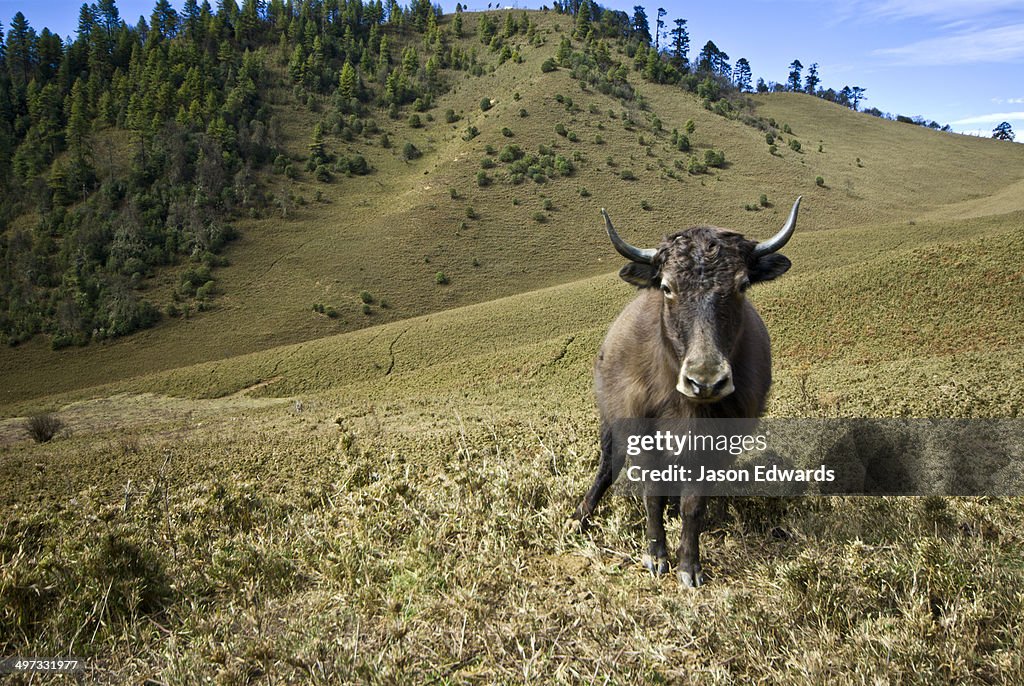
{"x":703,"y":274}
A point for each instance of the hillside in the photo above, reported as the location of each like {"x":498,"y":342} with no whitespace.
{"x":389,"y":503}
{"x":262,"y":493}
{"x":389,"y":233}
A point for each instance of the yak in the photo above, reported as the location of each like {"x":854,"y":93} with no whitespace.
{"x":689,"y":346}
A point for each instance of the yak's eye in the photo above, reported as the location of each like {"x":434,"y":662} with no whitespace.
{"x":667,"y":291}
{"x":744,"y":285}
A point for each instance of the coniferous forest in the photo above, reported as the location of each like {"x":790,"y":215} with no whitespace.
{"x":128,"y":151}
{"x":132,"y":147}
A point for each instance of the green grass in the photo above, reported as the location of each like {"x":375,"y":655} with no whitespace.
{"x":263,"y":494}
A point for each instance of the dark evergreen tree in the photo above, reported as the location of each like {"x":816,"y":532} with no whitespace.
{"x":680,"y":46}
{"x":1003,"y":132}
{"x":190,"y":17}
{"x":743,"y":74}
{"x":660,"y":25}
{"x":721,"y":65}
{"x":812,"y":80}
{"x":164,"y":20}
{"x":641,"y":29}
{"x":109,"y":16}
{"x":856,"y":96}
{"x":22,"y":51}
{"x":86,"y":20}
{"x":845,"y":96}
{"x":793,"y":83}
{"x":707,"y":56}
{"x":583,"y":15}
{"x":713,"y":60}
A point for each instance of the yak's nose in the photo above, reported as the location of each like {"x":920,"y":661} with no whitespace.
{"x":711,"y":389}
{"x":705,"y":382}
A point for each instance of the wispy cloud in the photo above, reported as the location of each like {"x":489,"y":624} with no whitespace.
{"x":999,"y":44}
{"x":945,"y":10}
{"x":991,"y":118}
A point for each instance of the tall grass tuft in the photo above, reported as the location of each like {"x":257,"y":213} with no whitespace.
{"x":43,"y":427}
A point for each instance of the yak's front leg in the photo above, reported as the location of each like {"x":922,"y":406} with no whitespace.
{"x":607,"y":472}
{"x":691,"y":511}
{"x":656,"y":559}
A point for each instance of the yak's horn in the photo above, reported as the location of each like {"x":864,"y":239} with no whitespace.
{"x":630,"y":252}
{"x":776,"y":242}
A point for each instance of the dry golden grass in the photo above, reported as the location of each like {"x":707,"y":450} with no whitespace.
{"x":386,"y":504}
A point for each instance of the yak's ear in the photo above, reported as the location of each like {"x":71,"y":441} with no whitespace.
{"x":769,"y":267}
{"x":639,"y":274}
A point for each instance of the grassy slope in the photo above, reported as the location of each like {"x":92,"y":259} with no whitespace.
{"x":389,"y":233}
{"x":387,"y":504}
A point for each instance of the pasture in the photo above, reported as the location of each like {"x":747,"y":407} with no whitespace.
{"x":262,"y":495}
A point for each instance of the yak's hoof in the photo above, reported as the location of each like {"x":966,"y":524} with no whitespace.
{"x":657,"y":567}
{"x":573,"y":526}
{"x":688,"y":580}
{"x":577,"y":524}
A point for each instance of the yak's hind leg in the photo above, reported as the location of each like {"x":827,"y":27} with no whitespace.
{"x":607,"y":471}
{"x":691,"y":511}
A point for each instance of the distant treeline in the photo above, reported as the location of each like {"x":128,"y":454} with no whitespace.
{"x":664,"y":57}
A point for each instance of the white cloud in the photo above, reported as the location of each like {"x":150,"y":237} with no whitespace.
{"x":937,"y":9}
{"x":991,"y":118}
{"x":1000,"y":44}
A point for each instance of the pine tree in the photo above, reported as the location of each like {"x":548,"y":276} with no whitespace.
{"x":50,"y":51}
{"x":164,"y":20}
{"x":347,"y":82}
{"x":109,"y":17}
{"x":190,"y":18}
{"x":22,"y":49}
{"x":845,"y":96}
{"x":793,"y":83}
{"x":653,"y":67}
{"x":248,"y":29}
{"x":87,"y":20}
{"x":708,"y":58}
{"x":1003,"y":132}
{"x":410,"y":61}
{"x":680,"y":45}
{"x":721,"y":65}
{"x":743,"y":74}
{"x":812,"y":80}
{"x":582,"y":27}
{"x":641,"y":29}
{"x":659,"y":26}
{"x":856,"y":95}
{"x":564,"y":54}
{"x":78,"y":127}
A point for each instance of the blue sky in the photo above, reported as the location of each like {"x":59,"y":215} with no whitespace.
{"x":959,"y":62}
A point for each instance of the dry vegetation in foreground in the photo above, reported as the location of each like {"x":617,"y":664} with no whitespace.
{"x":342,"y":539}
{"x":383,"y":527}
